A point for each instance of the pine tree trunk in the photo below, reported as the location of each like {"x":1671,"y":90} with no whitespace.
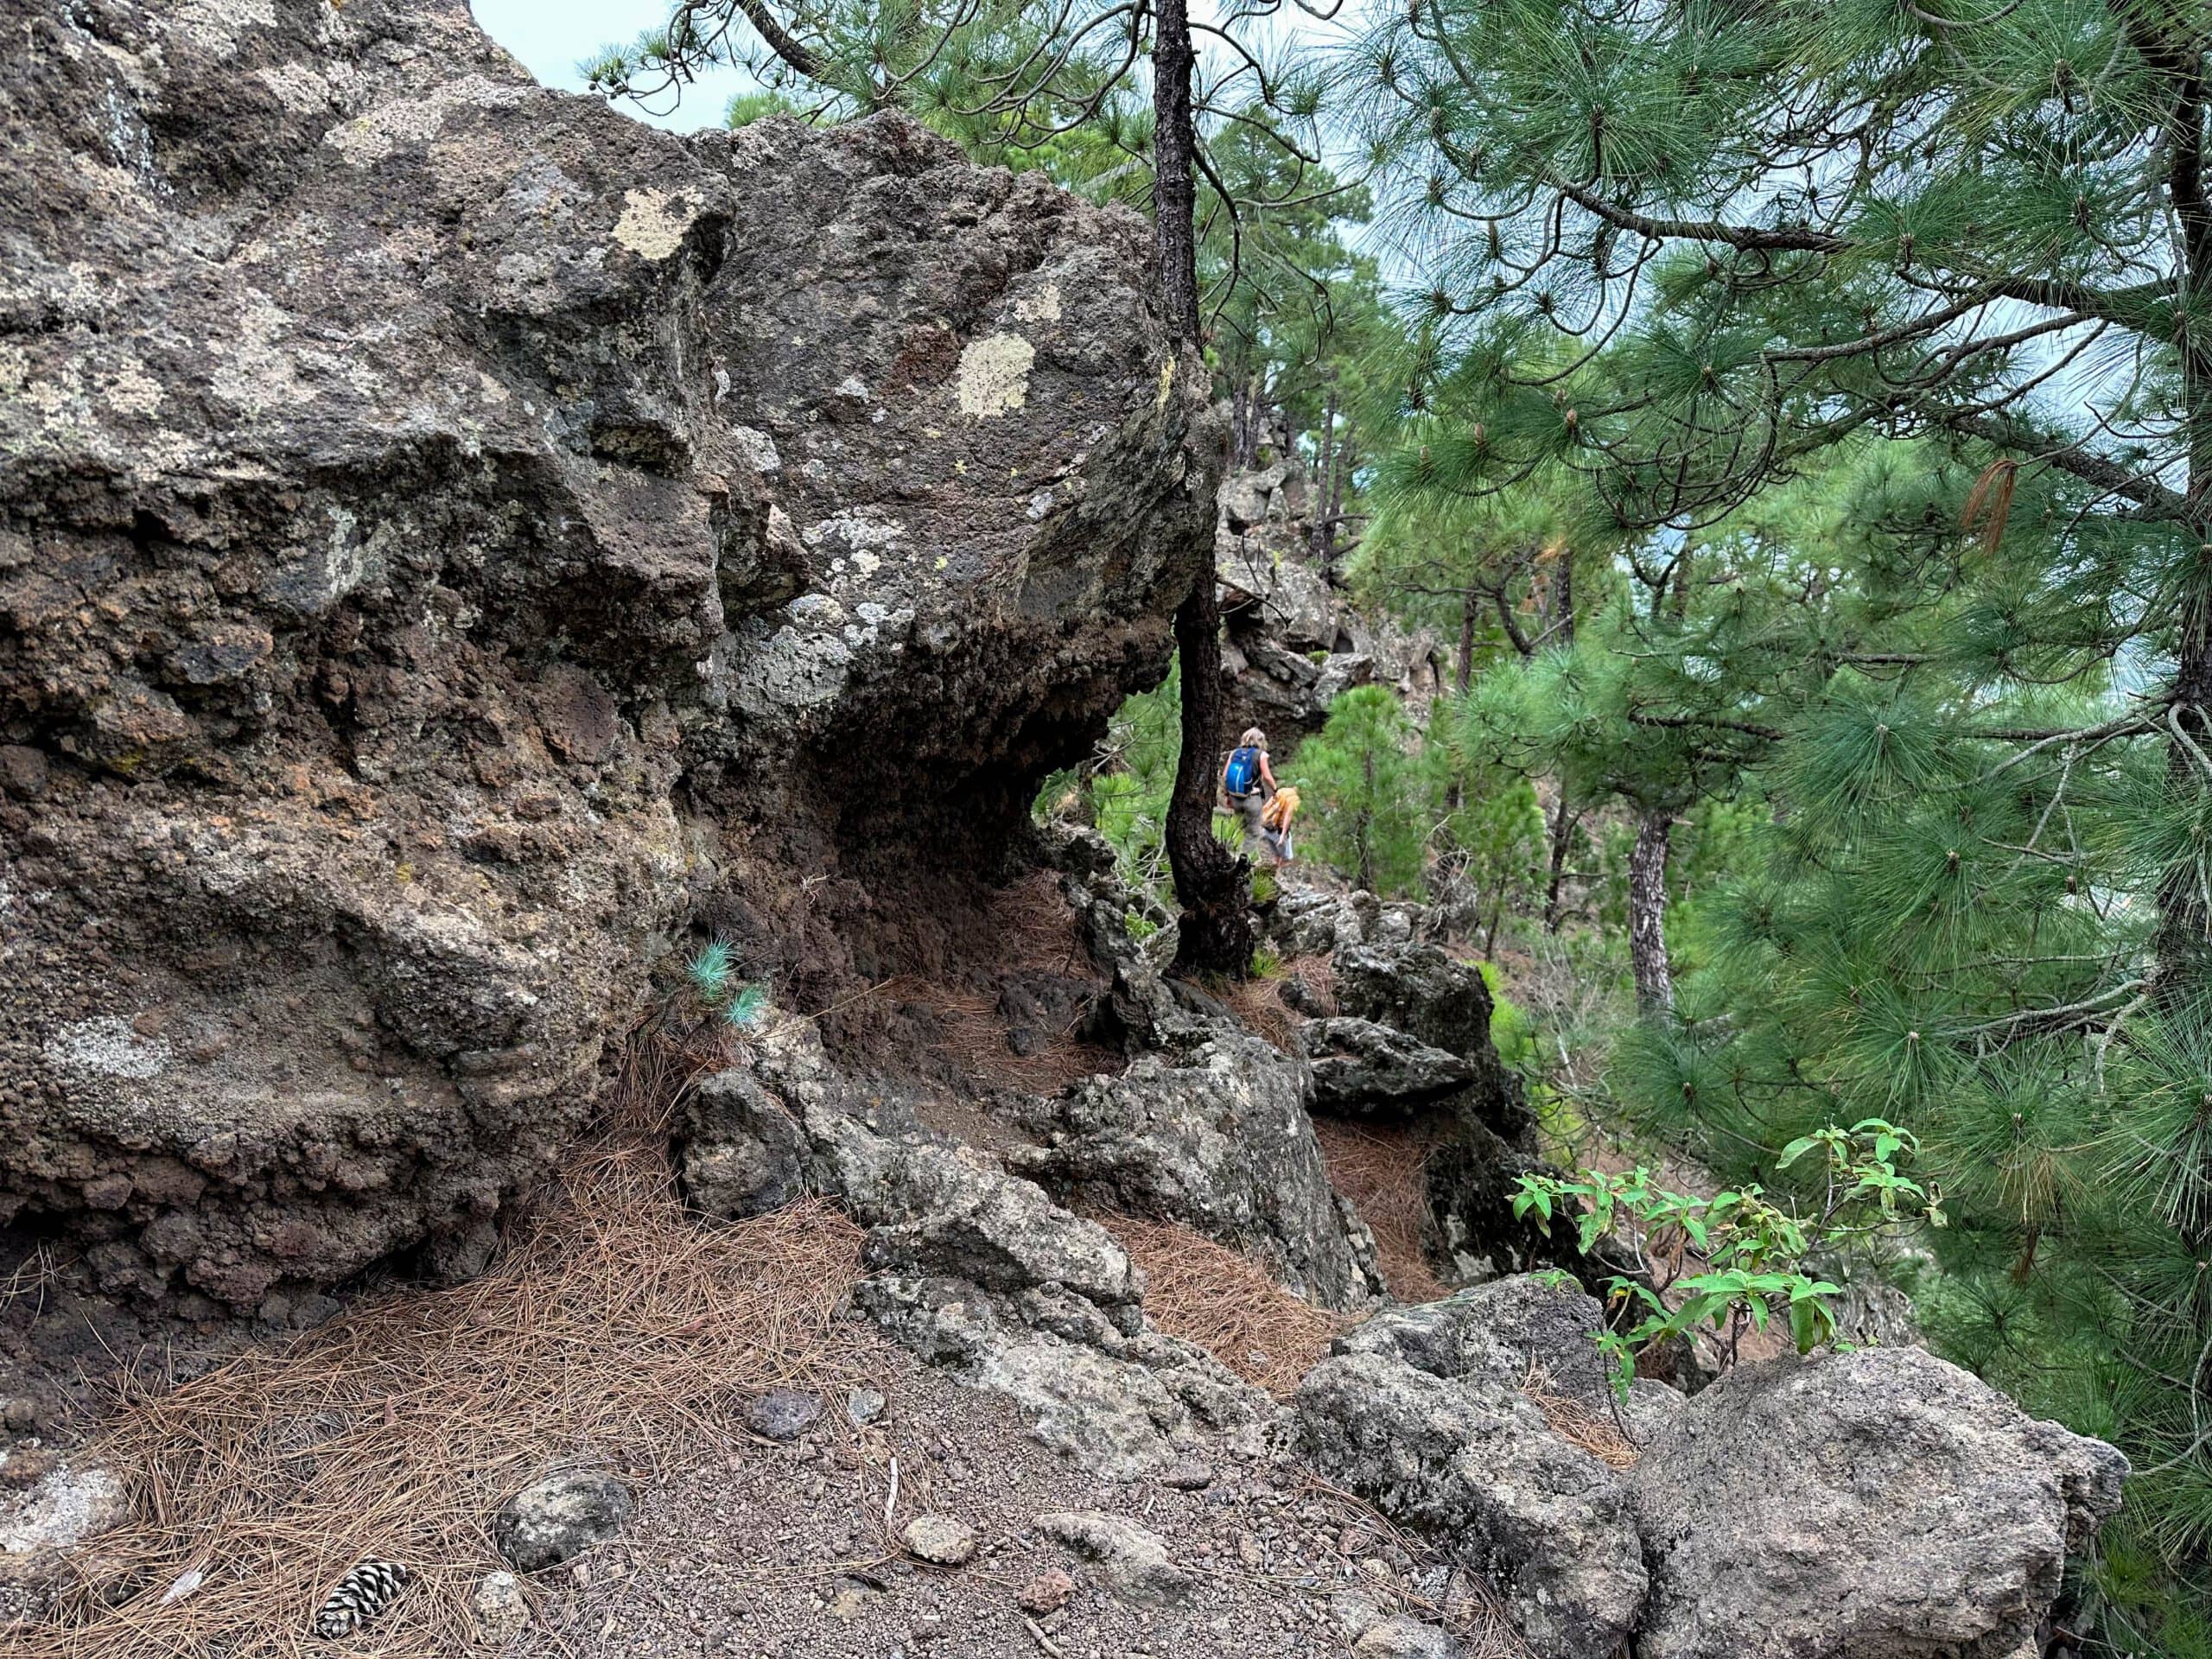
{"x":1215,"y":935}
{"x":1563,"y":823}
{"x":1647,"y":911}
{"x":1323,"y":459}
{"x":1563,"y":596}
{"x":1175,"y":189}
{"x":2183,"y":941}
{"x":1332,"y":515}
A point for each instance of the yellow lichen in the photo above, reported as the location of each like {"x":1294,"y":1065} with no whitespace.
{"x":653,"y":222}
{"x":994,"y":375}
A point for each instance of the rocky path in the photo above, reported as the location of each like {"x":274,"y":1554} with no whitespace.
{"x":783,"y":1551}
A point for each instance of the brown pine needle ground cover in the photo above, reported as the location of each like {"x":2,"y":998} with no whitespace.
{"x":617,"y":1331}
{"x":1598,"y":1432}
{"x":1226,"y":1303}
{"x":1383,"y":1169}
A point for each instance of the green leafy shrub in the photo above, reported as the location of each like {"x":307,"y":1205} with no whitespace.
{"x":1745,"y":1255}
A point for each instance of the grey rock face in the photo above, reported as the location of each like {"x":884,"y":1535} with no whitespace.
{"x":1420,"y":1411}
{"x":743,"y":1155}
{"x":1442,"y":1003}
{"x":367,"y":582}
{"x":1417,"y":990}
{"x":558,"y":1518}
{"x":1880,"y":1504}
{"x":1294,"y":641}
{"x":1498,"y":1331}
{"x":1223,"y":1143}
{"x":1360,"y":1067}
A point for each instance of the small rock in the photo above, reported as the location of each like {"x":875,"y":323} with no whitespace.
{"x":926,"y":1627}
{"x":1045,"y":1593}
{"x":940,"y":1539}
{"x":22,"y":1414}
{"x":1250,"y":1550}
{"x":502,"y":1614}
{"x":559,"y":1518}
{"x":1188,"y":1475}
{"x":782,"y":1414}
{"x":1132,"y":1560}
{"x":850,"y":1602}
{"x":864,"y":1406}
{"x":1353,"y":1614}
{"x":1401,"y":1637}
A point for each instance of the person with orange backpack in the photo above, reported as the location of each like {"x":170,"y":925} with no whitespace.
{"x":1274,"y":824}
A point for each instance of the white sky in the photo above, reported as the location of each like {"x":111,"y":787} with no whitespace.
{"x":550,"y":36}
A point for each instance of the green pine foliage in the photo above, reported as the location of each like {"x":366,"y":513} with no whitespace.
{"x":1122,"y":790}
{"x":1360,"y":785}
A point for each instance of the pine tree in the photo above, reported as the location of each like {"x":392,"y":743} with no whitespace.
{"x":1954,"y":260}
{"x":1365,"y":793}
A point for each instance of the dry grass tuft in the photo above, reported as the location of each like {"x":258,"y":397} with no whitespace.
{"x":1226,"y":1303}
{"x":1383,"y":1169}
{"x":1595,"y":1432}
{"x":615,"y":1332}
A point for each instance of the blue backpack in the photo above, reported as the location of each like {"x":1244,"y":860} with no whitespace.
{"x":1243,"y":768}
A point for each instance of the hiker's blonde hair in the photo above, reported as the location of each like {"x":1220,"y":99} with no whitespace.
{"x":1254,"y":738}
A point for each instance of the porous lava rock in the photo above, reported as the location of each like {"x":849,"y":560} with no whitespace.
{"x":1878,"y":1505}
{"x":454,"y":537}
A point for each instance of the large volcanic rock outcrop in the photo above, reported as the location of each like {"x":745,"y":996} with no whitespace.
{"x":452,"y":537}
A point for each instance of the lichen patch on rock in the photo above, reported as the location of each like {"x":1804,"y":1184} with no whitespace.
{"x":994,"y":375}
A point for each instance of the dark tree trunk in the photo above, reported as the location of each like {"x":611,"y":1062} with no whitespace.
{"x":1216,"y":934}
{"x":1333,"y":513}
{"x":2183,"y":941}
{"x":1324,"y":461}
{"x":1647,"y":911}
{"x":1563,"y":823}
{"x":1175,"y":189}
{"x":1563,"y":596}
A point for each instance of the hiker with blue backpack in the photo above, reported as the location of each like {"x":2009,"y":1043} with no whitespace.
{"x":1247,"y":781}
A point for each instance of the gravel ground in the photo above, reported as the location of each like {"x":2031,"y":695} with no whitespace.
{"x":782,"y":1552}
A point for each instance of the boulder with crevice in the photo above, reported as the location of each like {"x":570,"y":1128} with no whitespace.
{"x":1422,"y":1411}
{"x":407,"y":474}
{"x":976,"y":1269}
